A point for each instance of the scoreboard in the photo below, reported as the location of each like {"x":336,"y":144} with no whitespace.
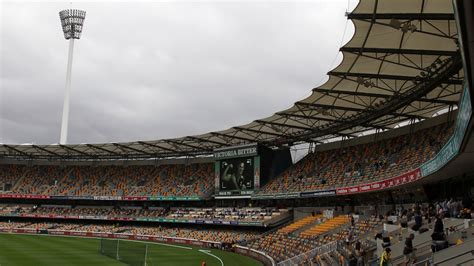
{"x":237,"y":170}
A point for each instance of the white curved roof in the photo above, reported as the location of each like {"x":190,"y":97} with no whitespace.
{"x":401,"y":64}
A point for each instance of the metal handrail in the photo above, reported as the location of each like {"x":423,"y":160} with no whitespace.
{"x":418,"y":247}
{"x":272,"y":261}
{"x":312,"y":253}
{"x":423,"y":261}
{"x":457,"y":255}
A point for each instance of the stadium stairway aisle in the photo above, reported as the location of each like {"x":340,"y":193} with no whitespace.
{"x":462,"y":254}
{"x":53,"y":190}
{"x":422,"y":242}
{"x":23,"y":175}
{"x":421,"y":239}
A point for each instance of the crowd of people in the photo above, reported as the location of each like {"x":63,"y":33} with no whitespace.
{"x":355,"y":237}
{"x":411,"y":221}
{"x":254,"y":214}
{"x":361,"y":163}
{"x":164,"y":180}
{"x":283,"y":244}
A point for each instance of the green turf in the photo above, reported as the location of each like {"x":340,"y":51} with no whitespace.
{"x":55,"y":250}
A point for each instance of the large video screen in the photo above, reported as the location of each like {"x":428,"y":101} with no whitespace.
{"x":237,"y":174}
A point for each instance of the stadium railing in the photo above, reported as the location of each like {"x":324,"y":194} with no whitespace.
{"x":256,"y":254}
{"x":330,"y":247}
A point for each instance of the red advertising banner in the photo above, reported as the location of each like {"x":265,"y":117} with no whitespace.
{"x":134,"y":198}
{"x":23,"y":196}
{"x":388,"y":183}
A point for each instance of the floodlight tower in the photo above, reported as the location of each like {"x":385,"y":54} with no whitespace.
{"x":72,"y":21}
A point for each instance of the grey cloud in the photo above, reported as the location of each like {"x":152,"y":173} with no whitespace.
{"x":157,"y":70}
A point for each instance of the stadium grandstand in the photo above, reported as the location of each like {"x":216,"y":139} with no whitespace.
{"x":388,"y":178}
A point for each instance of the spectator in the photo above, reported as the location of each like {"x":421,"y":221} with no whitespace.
{"x":352,"y":259}
{"x":359,"y":253}
{"x":418,"y":221}
{"x":404,"y":219}
{"x":438,"y":230}
{"x":379,"y":242}
{"x":409,"y":250}
{"x":385,"y":257}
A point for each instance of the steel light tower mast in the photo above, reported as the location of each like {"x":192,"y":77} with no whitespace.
{"x":72,"y":21}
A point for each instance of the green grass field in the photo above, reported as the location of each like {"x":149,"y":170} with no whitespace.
{"x":55,"y":250}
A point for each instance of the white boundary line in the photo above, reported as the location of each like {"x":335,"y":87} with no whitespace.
{"x":208,"y":252}
{"x":93,"y":237}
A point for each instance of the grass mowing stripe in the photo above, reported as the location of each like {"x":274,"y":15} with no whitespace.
{"x":14,"y":250}
{"x":59,"y":250}
{"x":27,"y":251}
{"x":31,"y":250}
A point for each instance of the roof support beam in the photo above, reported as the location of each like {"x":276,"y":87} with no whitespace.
{"x":232,"y":137}
{"x":186,"y":144}
{"x":260,"y":132}
{"x":346,"y":135}
{"x":374,"y":126}
{"x":354,"y":93}
{"x":305,"y":117}
{"x":438,"y":101}
{"x":206,"y":140}
{"x":281,"y":124}
{"x":408,"y":116}
{"x":76,"y":150}
{"x":45,"y":150}
{"x":390,"y":107}
{"x":396,"y":51}
{"x":369,"y":75}
{"x":403,"y":16}
{"x":102,"y":149}
{"x":379,"y":95}
{"x":385,"y":76}
{"x":161,"y":148}
{"x":325,"y":106}
{"x":17,"y":150}
{"x":132,"y":149}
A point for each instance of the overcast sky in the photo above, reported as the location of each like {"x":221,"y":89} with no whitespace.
{"x":145,"y":71}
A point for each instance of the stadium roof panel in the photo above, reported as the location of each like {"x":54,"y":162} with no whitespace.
{"x":401,"y":64}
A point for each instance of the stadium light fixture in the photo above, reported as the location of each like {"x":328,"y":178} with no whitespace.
{"x":395,"y":23}
{"x":72,"y":21}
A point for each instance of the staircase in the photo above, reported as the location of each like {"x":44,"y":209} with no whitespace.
{"x":18,"y":181}
{"x":53,"y":190}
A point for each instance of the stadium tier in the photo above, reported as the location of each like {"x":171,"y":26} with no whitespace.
{"x":348,"y":166}
{"x":341,"y":167}
{"x":167,"y":180}
{"x":301,"y":241}
{"x":282,"y":245}
{"x":231,"y":216}
{"x":212,"y":235}
{"x":173,"y":203}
